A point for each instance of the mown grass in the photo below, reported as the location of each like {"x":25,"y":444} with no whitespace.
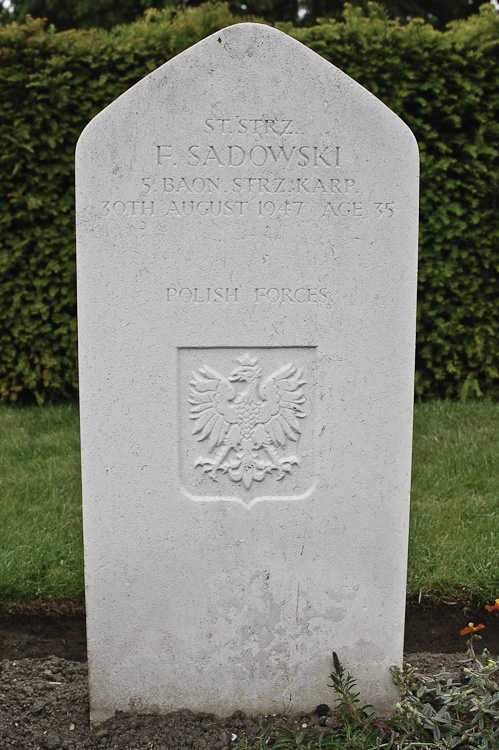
{"x":454,"y":536}
{"x":454,"y":539}
{"x":41,"y":550}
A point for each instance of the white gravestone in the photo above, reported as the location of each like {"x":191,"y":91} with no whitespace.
{"x":247,"y":235}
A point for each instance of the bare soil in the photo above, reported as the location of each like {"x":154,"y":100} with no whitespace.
{"x":44,"y":694}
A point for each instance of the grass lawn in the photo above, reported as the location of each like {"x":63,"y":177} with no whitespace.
{"x":454,"y":535}
{"x":454,"y":540}
{"x":41,"y":551}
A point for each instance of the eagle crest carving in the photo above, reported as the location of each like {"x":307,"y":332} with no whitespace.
{"x":246,"y":421}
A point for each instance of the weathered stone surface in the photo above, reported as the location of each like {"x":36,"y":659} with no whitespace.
{"x":247,"y":232}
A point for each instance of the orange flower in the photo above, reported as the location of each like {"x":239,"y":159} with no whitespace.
{"x":472,"y":628}
{"x":492,"y":607}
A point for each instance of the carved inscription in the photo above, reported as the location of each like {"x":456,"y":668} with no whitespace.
{"x":248,"y":126}
{"x":184,"y":186}
{"x":206,"y":296}
{"x":270,"y":173}
{"x":256,"y":156}
{"x":259,"y":295}
{"x":247,"y":421}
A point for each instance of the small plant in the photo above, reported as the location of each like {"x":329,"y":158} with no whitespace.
{"x":462,"y":714}
{"x":357,"y":726}
{"x":473,"y":630}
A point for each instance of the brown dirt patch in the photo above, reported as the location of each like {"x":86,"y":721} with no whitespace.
{"x":44,"y":706}
{"x":44,"y":694}
{"x":429,"y":627}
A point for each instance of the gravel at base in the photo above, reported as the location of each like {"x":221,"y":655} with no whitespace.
{"x":44,"y":706}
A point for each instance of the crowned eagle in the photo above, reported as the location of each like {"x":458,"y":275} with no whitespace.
{"x":247,"y":428}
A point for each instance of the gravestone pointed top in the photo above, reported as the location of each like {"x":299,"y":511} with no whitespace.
{"x":247,"y":235}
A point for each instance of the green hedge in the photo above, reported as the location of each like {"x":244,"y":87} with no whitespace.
{"x":444,"y":85}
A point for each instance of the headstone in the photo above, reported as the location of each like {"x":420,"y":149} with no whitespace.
{"x":247,"y":231}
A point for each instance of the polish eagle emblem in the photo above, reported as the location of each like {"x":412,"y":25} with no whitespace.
{"x":246,"y":421}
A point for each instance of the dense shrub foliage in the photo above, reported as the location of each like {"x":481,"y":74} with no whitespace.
{"x":444,"y":85}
